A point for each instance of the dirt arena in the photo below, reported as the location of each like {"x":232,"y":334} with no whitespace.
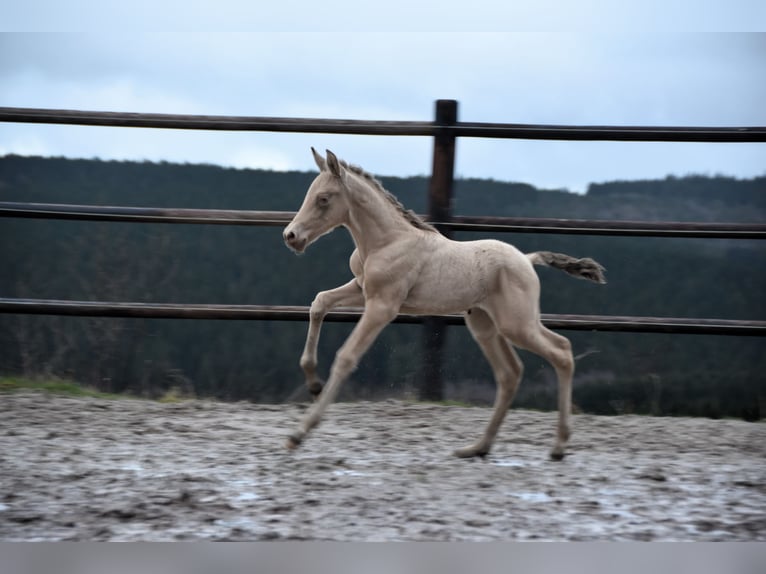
{"x":94,"y":469}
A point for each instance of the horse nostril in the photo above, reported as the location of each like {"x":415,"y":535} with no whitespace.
{"x":290,"y":235}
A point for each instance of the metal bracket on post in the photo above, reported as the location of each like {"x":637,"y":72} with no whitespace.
{"x":439,"y":210}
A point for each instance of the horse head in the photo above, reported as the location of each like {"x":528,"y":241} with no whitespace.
{"x":325,"y":206}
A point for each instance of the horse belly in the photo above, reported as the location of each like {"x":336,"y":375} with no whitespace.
{"x":451,"y":283}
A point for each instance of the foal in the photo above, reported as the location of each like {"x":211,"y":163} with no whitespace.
{"x":402,"y":264}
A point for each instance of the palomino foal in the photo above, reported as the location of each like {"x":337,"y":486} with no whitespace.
{"x":402,"y":264}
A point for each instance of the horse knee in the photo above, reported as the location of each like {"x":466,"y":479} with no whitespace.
{"x":318,"y":308}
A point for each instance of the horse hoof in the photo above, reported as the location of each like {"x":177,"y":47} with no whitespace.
{"x":471,"y":451}
{"x":557,"y":455}
{"x":315,"y":388}
{"x":293,"y":442}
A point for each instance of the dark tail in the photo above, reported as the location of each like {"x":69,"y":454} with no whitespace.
{"x":585,"y":268}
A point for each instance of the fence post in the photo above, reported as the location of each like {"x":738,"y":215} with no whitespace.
{"x":439,"y":210}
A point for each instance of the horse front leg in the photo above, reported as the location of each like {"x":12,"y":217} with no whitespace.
{"x":377,"y":314}
{"x":350,"y":295}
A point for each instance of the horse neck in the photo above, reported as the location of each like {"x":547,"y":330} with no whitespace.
{"x":373,"y":220}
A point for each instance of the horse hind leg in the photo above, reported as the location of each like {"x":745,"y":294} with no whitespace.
{"x":557,"y":350}
{"x":507,"y":369}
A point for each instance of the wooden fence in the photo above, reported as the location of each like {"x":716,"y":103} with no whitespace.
{"x":444,"y":130}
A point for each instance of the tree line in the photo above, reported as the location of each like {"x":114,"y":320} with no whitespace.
{"x":258,"y":360}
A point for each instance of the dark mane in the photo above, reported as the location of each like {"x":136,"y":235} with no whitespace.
{"x":413,"y":218}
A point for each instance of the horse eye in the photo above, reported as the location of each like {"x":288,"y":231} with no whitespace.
{"x":323,"y":201}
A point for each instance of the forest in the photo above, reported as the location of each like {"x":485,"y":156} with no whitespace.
{"x":617,"y":373}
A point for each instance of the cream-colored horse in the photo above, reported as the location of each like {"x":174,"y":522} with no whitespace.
{"x":402,"y":264}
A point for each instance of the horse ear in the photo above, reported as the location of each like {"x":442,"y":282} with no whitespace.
{"x":320,"y":161}
{"x":335,"y":167}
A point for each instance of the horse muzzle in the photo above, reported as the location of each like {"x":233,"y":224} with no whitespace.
{"x":294,"y":241}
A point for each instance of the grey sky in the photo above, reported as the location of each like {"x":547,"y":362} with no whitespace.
{"x":621,"y":78}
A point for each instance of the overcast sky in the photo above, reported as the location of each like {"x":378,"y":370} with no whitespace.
{"x":659,"y":78}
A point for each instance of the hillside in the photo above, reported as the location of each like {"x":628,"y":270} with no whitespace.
{"x":246,"y":265}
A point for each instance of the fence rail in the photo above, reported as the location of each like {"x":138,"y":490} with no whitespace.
{"x":351,"y":315}
{"x":456,"y":223}
{"x":389,"y":128}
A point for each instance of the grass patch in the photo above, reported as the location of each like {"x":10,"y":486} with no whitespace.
{"x":174,"y":395}
{"x":54,"y":387}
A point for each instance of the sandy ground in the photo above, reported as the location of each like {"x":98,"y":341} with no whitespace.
{"x":92,"y":469}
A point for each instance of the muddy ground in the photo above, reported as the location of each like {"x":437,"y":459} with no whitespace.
{"x":95,"y":469}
